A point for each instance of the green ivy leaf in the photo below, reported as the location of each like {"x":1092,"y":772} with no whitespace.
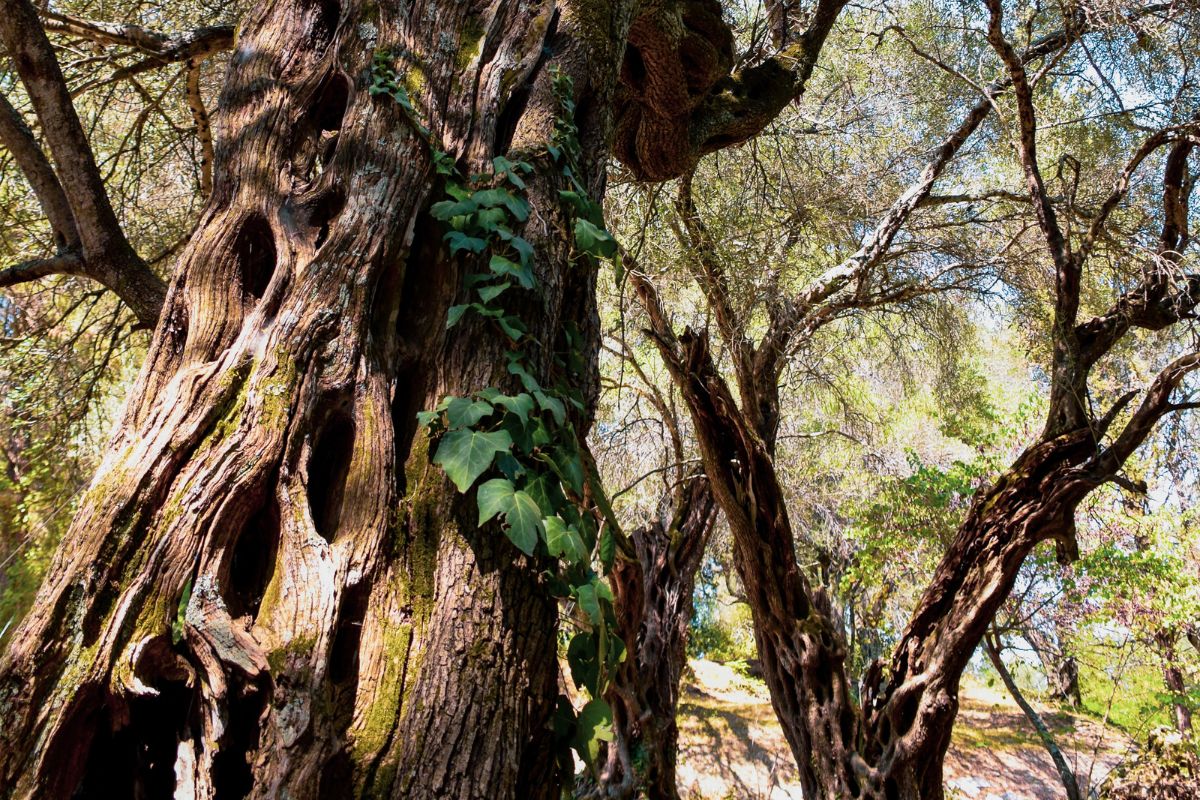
{"x":517,"y":206}
{"x":463,"y":412}
{"x":522,"y":518}
{"x":524,"y":521}
{"x":426,"y":418}
{"x":461,"y":241}
{"x":489,"y":293}
{"x":553,"y":405}
{"x":584,"y":660}
{"x":520,"y":404}
{"x":502,"y":266}
{"x":593,"y":727}
{"x":449,"y":209}
{"x":464,"y":455}
{"x":563,"y":540}
{"x":594,"y":240}
{"x":585,"y":595}
{"x":493,"y":497}
{"x":608,"y":547}
{"x":515,"y":367}
{"x":455,"y":314}
{"x":512,"y":326}
{"x":490,"y":219}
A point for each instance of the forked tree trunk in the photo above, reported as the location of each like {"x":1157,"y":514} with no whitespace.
{"x":893,"y":745}
{"x":654,"y":609}
{"x":268,"y":590}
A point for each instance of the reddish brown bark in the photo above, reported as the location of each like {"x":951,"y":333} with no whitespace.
{"x":654,"y":606}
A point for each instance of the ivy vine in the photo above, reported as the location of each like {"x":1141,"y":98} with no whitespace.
{"x":536,"y":484}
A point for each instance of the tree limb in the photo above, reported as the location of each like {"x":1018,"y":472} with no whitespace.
{"x":109,"y":256}
{"x":18,"y":139}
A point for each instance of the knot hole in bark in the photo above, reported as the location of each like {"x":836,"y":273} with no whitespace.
{"x":252,"y":564}
{"x":323,"y":210}
{"x":325,"y":115}
{"x":254,"y":251}
{"x":322,"y":18}
{"x":328,"y":468}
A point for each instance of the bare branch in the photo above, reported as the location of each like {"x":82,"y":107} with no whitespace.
{"x":203,"y":129}
{"x":66,"y":264}
{"x":18,"y":140}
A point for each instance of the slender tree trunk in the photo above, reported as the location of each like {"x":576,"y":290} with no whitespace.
{"x":1173,"y":679}
{"x":1065,"y":773}
{"x":268,"y":590}
{"x":654,"y":605}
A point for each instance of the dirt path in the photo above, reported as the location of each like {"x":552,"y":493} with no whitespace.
{"x":731,"y":747}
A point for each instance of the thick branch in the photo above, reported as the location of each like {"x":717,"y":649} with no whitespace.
{"x":18,"y":140}
{"x":66,"y":264}
{"x":108,"y":254}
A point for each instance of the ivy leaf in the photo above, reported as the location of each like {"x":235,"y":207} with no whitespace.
{"x":490,"y":219}
{"x":502,"y":266}
{"x":524,"y":521}
{"x":461,"y":241}
{"x":426,"y":418}
{"x":553,"y":405}
{"x":465,"y":454}
{"x":510,"y":466}
{"x":449,"y":209}
{"x":524,"y":249}
{"x":512,"y":326}
{"x":544,"y":489}
{"x":463,"y":412}
{"x":584,"y":661}
{"x":608,"y":547}
{"x":588,"y":602}
{"x":489,"y":293}
{"x":563,"y":540}
{"x":493,"y":497}
{"x":594,"y":240}
{"x":455,"y":314}
{"x":515,"y":367}
{"x":570,"y":467}
{"x":593,"y":727}
{"x":520,"y":404}
{"x":517,"y":206}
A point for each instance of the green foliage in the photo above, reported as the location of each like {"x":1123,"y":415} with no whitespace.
{"x":526,"y":440}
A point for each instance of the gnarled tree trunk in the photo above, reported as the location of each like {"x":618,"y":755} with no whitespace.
{"x":268,"y":590}
{"x":654,"y":606}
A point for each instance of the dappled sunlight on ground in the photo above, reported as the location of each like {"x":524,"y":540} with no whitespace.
{"x":731,"y":747}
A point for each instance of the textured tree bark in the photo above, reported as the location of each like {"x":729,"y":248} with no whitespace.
{"x":268,"y":590}
{"x":654,"y":606}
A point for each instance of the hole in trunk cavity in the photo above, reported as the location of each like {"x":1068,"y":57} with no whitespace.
{"x":232,"y":771}
{"x":323,"y":18}
{"x":633,"y":69}
{"x":328,"y":468}
{"x":324,"y":210}
{"x":254,"y":250}
{"x":253,"y":562}
{"x":906,"y":715}
{"x":343,"y":659}
{"x":138,"y":760}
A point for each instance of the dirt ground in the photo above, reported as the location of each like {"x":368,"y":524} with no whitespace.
{"x":731,"y":747}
